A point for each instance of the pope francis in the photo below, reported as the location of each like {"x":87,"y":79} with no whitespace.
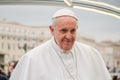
{"x":62,"y":58}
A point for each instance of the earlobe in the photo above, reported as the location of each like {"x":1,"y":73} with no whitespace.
{"x":51,"y":28}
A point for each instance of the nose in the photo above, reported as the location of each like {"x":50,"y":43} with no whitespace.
{"x":68,"y":35}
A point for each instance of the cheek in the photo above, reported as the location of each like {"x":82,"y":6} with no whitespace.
{"x":59,"y":38}
{"x":74,"y":35}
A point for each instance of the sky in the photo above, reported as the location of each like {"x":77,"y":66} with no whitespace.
{"x":95,"y":25}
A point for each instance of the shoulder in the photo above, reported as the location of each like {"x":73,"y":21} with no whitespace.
{"x":2,"y":77}
{"x":86,"y":48}
{"x":82,"y":45}
{"x":89,"y":52}
{"x":37,"y":51}
{"x":33,"y":57}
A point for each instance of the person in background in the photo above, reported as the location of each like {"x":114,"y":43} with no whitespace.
{"x":2,"y":73}
{"x":2,"y":69}
{"x":11,"y":66}
{"x":62,"y":57}
{"x":118,"y":78}
{"x":3,"y":77}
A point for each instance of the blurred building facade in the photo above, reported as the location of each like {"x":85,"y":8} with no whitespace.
{"x":16,"y":39}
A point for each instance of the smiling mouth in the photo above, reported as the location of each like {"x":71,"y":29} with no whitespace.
{"x":68,"y":42}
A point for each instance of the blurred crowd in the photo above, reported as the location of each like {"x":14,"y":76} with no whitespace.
{"x":3,"y":74}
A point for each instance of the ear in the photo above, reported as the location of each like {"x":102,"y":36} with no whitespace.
{"x":51,"y":29}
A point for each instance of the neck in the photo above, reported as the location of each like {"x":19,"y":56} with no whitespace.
{"x":66,"y":51}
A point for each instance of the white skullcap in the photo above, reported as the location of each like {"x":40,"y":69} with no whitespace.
{"x":64,"y":12}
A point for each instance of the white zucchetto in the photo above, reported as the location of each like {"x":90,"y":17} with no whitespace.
{"x":64,"y":12}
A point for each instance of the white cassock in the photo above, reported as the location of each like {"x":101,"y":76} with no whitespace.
{"x":49,"y":62}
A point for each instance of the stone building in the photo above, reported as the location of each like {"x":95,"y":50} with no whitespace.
{"x":16,"y":39}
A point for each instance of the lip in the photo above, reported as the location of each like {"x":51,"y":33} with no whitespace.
{"x":67,"y":42}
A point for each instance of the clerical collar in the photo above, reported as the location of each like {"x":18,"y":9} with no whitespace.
{"x":58,"y":48}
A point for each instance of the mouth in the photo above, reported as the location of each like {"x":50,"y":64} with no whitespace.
{"x":67,"y":42}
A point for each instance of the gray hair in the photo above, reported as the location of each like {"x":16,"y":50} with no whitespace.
{"x":53,"y":22}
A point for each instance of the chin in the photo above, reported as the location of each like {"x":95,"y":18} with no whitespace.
{"x":66,"y":49}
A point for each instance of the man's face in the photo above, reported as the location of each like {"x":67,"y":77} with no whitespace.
{"x":11,"y":66}
{"x":64,"y":32}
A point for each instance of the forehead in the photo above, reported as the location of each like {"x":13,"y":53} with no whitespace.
{"x":65,"y":20}
{"x":67,"y":27}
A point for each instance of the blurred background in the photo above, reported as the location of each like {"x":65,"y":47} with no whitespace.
{"x":24,"y":25}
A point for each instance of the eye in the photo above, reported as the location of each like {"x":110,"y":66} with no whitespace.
{"x":73,"y":31}
{"x":63,"y":30}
